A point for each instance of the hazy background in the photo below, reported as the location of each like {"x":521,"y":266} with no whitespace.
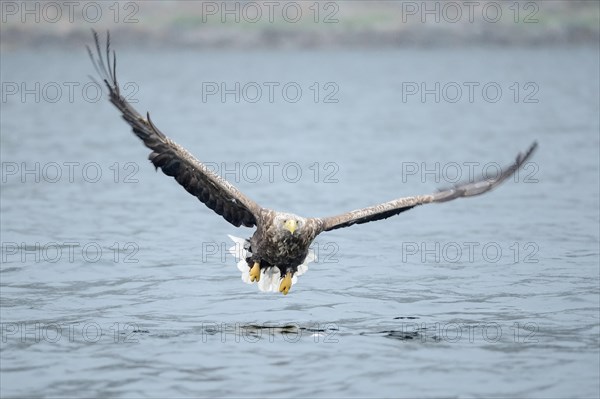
{"x":303,"y":24}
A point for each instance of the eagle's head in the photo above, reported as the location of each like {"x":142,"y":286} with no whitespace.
{"x":289,"y":224}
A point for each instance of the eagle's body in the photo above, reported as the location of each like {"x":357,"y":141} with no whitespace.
{"x":275,"y":246}
{"x":279,"y":250}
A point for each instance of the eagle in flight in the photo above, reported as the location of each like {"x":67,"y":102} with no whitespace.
{"x":278,"y":251}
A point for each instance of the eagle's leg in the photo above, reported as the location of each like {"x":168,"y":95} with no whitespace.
{"x":286,"y":283}
{"x":255,"y":272}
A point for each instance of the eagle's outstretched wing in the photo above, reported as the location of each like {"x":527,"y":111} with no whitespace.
{"x":174,"y":160}
{"x":387,"y":209}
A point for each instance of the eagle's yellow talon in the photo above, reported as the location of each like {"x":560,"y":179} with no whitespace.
{"x":286,"y":284}
{"x":255,"y":272}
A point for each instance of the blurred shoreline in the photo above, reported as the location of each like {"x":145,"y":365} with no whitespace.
{"x":252,"y":25}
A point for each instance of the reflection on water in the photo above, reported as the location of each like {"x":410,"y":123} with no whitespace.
{"x":114,"y":281}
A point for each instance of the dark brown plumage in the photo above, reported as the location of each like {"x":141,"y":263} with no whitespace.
{"x":280,"y":245}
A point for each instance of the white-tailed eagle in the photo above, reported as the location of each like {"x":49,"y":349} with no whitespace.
{"x":278,"y":251}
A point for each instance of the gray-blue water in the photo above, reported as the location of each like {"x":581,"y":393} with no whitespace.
{"x":115,"y":281}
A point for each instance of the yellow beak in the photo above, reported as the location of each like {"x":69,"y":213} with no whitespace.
{"x":291,"y":225}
